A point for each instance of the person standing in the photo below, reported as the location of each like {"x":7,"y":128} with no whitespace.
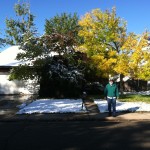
{"x":111,"y":94}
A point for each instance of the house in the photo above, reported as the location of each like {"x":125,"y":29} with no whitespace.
{"x":7,"y":62}
{"x":147,"y":48}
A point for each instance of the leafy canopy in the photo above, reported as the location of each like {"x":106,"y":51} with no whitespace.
{"x":111,"y":48}
{"x":138,"y":56}
{"x":20,"y":29}
{"x":104,"y":34}
{"x":39,"y":51}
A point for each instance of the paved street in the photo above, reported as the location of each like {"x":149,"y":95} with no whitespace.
{"x":73,"y":131}
{"x":75,"y":135}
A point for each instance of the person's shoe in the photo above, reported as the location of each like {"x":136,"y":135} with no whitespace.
{"x":114,"y":114}
{"x":109,"y":114}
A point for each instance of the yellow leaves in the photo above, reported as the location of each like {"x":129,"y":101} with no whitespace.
{"x":100,"y":31}
{"x":81,"y":48}
{"x":135,"y":48}
{"x":146,"y":55}
{"x":144,"y":72}
{"x":138,"y":62}
{"x":87,"y":35}
{"x":110,"y":63}
{"x":98,"y":58}
{"x":103,"y":64}
{"x":86,"y":21}
{"x":112,"y":53}
{"x":109,"y":46}
{"x":130,"y":43}
{"x":122,"y":64}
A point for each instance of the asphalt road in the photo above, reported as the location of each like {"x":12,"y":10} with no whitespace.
{"x":75,"y":135}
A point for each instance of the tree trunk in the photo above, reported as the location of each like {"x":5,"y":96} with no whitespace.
{"x":121,"y":84}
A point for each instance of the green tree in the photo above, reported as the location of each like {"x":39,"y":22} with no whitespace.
{"x":54,"y":48}
{"x":38,"y":49}
{"x":63,"y":24}
{"x":66,"y":25}
{"x":2,"y":42}
{"x":21,"y":28}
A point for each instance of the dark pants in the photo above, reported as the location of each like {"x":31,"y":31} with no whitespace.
{"x":111,"y":103}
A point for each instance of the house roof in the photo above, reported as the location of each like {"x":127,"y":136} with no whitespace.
{"x":8,"y":56}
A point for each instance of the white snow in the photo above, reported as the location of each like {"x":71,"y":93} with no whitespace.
{"x":123,"y":106}
{"x":8,"y":56}
{"x":126,"y":106}
{"x":72,"y":105}
{"x":139,"y":93}
{"x":52,"y":106}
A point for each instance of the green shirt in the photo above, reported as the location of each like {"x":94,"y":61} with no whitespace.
{"x":111,"y":90}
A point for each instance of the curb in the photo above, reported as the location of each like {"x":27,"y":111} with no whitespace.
{"x":76,"y":117}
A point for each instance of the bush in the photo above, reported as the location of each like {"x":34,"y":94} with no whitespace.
{"x":94,"y":88}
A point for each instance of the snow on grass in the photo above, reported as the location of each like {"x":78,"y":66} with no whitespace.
{"x":52,"y":106}
{"x":123,"y":106}
{"x":75,"y":106}
{"x":140,"y":93}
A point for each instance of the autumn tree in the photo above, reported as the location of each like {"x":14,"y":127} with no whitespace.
{"x":104,"y":34}
{"x":137,"y":57}
{"x":112,"y":49}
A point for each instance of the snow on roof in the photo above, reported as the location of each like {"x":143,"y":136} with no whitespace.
{"x":8,"y":56}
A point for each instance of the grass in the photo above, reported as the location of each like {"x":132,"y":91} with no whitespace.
{"x":135,"y":98}
{"x":127,"y":98}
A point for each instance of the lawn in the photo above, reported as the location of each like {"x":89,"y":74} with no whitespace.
{"x":135,"y":98}
{"x":127,"y":98}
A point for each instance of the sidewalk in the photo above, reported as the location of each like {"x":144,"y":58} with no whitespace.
{"x":9,"y":114}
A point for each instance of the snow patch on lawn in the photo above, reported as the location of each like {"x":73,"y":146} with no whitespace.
{"x":123,"y":106}
{"x":52,"y":106}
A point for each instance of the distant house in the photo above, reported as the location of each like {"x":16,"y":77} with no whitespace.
{"x":7,"y":62}
{"x":148,"y":50}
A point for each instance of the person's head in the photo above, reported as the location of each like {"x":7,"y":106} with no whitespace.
{"x":111,"y":81}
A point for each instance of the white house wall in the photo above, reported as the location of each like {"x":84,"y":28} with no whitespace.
{"x":15,"y":86}
{"x":8,"y":59}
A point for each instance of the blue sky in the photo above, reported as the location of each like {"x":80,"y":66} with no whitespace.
{"x":135,"y":12}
